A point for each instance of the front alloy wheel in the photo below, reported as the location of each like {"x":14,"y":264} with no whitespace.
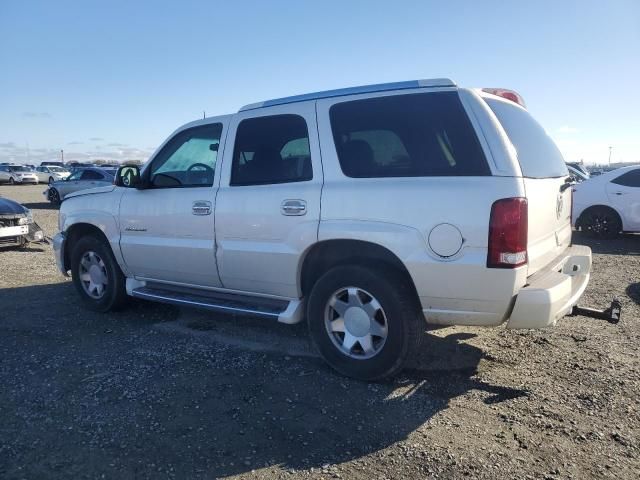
{"x":93,"y":275}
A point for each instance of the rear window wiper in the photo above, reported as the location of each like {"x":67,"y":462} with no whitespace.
{"x":567,"y":183}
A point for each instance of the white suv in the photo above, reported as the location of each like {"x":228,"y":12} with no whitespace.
{"x":366,"y":210}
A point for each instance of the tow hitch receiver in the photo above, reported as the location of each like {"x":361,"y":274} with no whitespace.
{"x":613,"y":314}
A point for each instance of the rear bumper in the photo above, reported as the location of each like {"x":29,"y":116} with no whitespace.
{"x":551,"y":294}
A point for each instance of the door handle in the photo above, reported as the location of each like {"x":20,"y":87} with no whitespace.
{"x":293,"y":207}
{"x":619,"y":193}
{"x":201,"y":207}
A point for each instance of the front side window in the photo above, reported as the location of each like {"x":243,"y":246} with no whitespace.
{"x":189,"y":159}
{"x":628,"y":179}
{"x":91,"y":175}
{"x":414,"y":135}
{"x":270,"y":150}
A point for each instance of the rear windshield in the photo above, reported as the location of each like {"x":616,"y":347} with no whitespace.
{"x":413,"y":135}
{"x":538,"y":155}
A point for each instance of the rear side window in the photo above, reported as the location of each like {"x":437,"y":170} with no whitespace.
{"x":538,"y":155}
{"x":415,"y":135}
{"x":271,"y":149}
{"x":628,"y":179}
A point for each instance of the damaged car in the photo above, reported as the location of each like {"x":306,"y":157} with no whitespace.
{"x":17,"y":227}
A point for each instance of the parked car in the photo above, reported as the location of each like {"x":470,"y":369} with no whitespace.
{"x":577,"y":172}
{"x":78,"y":180}
{"x":609,"y":203}
{"x":57,"y":164}
{"x":368,"y":210}
{"x":51,"y":173}
{"x":15,"y":174}
{"x":17,"y":227}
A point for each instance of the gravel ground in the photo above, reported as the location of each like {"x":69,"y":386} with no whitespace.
{"x":161,"y":392}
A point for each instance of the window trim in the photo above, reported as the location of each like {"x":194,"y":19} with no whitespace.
{"x":147,"y":174}
{"x":233,"y":183}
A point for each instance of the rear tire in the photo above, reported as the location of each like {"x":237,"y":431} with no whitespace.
{"x":97,"y":276}
{"x":51,"y":180}
{"x":12,"y":181}
{"x":365,"y":323}
{"x":600,"y":222}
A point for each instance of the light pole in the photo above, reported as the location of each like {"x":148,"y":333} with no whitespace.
{"x":610,"y":148}
{"x":62,"y":156}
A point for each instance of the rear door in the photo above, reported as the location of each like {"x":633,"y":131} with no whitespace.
{"x":545,"y":177}
{"x":268,"y":205}
{"x":624,"y":194}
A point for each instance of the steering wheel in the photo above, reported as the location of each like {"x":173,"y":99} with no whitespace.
{"x":203,"y":165}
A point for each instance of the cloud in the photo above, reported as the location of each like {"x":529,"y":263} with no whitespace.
{"x":7,"y":145}
{"x":36,"y":114}
{"x":116,"y":145}
{"x":567,"y":129}
{"x":75,"y":143}
{"x":96,"y":139}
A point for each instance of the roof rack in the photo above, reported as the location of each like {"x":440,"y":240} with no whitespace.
{"x":381,"y":87}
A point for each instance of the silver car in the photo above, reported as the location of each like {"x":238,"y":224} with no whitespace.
{"x":51,"y":173}
{"x":16,"y":174}
{"x":79,"y":180}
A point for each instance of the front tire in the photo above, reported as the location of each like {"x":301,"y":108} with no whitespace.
{"x":97,"y":276}
{"x":51,"y":180}
{"x":54,"y":196}
{"x":365,"y":323}
{"x":12,"y":181}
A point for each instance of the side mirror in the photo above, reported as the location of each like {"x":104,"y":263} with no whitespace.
{"x":128,"y":176}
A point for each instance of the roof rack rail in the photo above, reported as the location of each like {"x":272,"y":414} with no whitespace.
{"x":381,"y":87}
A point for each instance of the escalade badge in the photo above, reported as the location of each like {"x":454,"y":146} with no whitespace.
{"x":559,"y":206}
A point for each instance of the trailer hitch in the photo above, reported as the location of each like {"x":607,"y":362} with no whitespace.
{"x":613,"y":314}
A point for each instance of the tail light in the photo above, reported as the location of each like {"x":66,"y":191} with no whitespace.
{"x":508,"y":229}
{"x":508,"y":94}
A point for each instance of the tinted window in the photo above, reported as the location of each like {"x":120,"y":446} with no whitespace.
{"x":189,"y":159}
{"x":75,"y":175}
{"x":406,"y":136}
{"x":272,"y":149}
{"x":538,"y":155}
{"x":628,"y":179}
{"x":91,"y":175}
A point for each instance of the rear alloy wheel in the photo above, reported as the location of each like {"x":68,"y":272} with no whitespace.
{"x":365,"y":323}
{"x":96,"y":275}
{"x":51,"y":180}
{"x":601,"y":222}
{"x":54,"y":196}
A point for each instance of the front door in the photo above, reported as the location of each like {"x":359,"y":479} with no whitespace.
{"x":167,"y":230}
{"x":268,"y":206}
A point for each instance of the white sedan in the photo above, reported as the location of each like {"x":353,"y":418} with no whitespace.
{"x":609,"y":203}
{"x":51,"y":173}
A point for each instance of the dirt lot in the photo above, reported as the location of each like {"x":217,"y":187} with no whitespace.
{"x":160,"y":392}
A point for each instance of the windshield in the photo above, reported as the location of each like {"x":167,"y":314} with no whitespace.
{"x":19,"y":169}
{"x":57,"y":169}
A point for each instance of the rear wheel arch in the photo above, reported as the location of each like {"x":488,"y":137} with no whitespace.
{"x":327,"y":254}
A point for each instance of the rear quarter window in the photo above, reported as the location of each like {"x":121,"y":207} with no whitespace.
{"x":538,"y":155}
{"x":412,"y":135}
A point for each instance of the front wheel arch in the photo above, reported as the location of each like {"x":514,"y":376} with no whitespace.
{"x":76,"y":232}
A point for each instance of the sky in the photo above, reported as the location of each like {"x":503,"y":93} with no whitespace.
{"x":111,"y":80}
